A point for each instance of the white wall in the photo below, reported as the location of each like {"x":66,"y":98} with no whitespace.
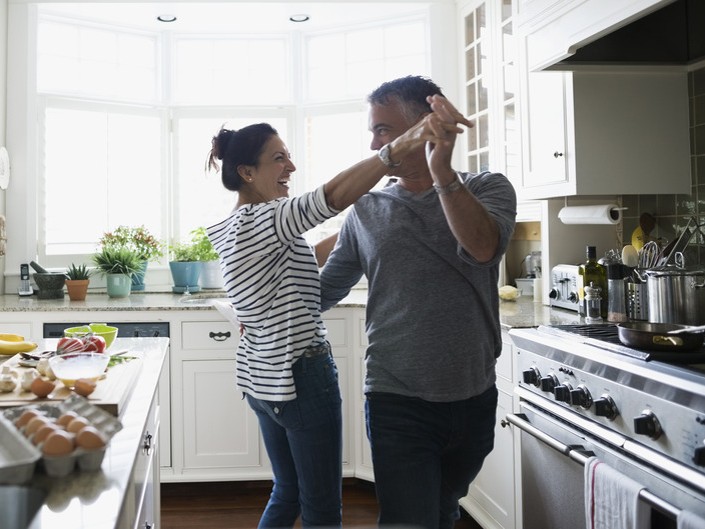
{"x":3,"y":105}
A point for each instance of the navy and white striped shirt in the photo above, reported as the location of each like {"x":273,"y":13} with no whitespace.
{"x":271,"y":277}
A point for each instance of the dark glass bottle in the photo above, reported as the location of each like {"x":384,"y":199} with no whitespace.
{"x":592,"y":272}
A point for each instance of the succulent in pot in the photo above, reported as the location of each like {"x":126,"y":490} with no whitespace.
{"x":140,"y":241}
{"x":77,"y":279}
{"x":118,"y":264}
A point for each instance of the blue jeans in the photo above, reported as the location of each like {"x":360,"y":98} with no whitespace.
{"x":426,"y":454}
{"x":303,"y":438}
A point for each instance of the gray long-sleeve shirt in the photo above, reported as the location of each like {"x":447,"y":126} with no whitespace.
{"x":432,"y":311}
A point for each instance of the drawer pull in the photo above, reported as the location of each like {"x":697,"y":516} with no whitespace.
{"x":219,"y":336}
{"x":147,"y":444}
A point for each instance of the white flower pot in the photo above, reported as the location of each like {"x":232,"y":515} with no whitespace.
{"x":211,"y":276}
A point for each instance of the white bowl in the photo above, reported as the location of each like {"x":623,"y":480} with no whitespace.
{"x":71,"y":366}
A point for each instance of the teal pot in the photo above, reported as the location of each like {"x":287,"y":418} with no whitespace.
{"x":138,"y":277}
{"x":211,"y":276}
{"x":185,"y":275}
{"x":119,"y":285}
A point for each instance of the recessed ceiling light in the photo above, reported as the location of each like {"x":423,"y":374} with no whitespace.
{"x":299,"y":18}
{"x":166,"y":18}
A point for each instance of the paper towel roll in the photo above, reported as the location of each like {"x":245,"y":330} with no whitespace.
{"x":599,"y":214}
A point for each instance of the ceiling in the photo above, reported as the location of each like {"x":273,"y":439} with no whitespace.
{"x":238,"y":16}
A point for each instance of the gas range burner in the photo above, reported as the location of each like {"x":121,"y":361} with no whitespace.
{"x":605,"y":336}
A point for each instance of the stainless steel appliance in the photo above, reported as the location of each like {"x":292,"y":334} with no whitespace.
{"x":582,"y":393}
{"x":142,"y":329}
{"x":564,"y":287}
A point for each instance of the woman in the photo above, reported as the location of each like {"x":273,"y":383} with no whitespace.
{"x":284,"y":364}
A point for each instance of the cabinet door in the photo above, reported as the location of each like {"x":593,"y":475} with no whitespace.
{"x":545,"y":133}
{"x":220,"y":432}
{"x":491,"y":497}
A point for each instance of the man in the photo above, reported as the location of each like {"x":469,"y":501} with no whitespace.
{"x":429,"y":243}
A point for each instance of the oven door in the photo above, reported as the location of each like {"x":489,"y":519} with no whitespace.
{"x":553,"y":455}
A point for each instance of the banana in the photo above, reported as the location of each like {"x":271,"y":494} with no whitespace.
{"x":8,"y":347}
{"x":9,"y":337}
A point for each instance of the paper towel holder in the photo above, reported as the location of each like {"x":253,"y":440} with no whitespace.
{"x":594,"y":214}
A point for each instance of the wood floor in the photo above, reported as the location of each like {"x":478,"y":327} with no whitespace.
{"x":238,"y":505}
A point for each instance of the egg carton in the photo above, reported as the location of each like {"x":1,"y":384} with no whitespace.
{"x":85,"y":460}
{"x":18,"y":456}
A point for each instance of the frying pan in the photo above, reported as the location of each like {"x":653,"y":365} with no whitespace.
{"x":656,"y":337}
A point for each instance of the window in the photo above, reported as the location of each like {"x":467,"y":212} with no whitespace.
{"x":126,"y":117}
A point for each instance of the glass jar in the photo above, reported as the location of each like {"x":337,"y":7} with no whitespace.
{"x":593,"y":300}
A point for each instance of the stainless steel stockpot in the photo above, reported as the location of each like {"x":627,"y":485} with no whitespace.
{"x":676,"y":295}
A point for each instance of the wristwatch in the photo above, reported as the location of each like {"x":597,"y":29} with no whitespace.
{"x":385,"y":154}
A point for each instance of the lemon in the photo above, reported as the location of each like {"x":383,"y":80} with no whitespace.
{"x":638,"y":238}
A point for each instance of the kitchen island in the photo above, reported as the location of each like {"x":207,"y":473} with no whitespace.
{"x":124,"y":493}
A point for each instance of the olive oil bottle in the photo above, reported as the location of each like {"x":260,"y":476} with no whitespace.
{"x":592,"y":272}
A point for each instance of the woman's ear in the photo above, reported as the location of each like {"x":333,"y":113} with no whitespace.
{"x":245,"y":172}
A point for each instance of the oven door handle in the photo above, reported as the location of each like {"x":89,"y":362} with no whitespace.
{"x":580,"y":455}
{"x":575,"y":452}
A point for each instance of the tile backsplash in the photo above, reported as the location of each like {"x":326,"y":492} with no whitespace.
{"x":673,"y":212}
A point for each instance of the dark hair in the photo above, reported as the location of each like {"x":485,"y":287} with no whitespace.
{"x":238,"y":147}
{"x":410,"y":92}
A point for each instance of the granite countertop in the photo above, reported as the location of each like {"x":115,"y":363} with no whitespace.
{"x":93,"y":500}
{"x":524,"y":312}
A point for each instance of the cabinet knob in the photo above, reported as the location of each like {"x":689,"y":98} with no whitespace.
{"x":557,"y":154}
{"x":219,"y":336}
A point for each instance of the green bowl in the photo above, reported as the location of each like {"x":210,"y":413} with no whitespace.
{"x":99,"y":329}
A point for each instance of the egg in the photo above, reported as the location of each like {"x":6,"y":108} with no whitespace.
{"x":42,"y":386}
{"x":84,"y":387}
{"x":34,"y":424}
{"x":23,"y":419}
{"x":66,"y":418}
{"x":43,"y":432}
{"x":89,"y":438}
{"x":58,"y":443}
{"x":77,"y":424}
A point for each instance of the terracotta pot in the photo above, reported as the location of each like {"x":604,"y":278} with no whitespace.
{"x":77,"y":289}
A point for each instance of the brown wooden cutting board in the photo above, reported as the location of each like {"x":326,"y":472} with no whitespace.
{"x":111,"y":393}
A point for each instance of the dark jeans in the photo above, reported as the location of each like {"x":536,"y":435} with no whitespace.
{"x":303,"y":438}
{"x":426,"y":454}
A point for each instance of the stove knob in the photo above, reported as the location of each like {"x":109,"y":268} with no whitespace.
{"x":606,"y":407}
{"x":554,"y":294}
{"x":562,"y":392}
{"x":573,"y":297}
{"x":548,"y":383}
{"x":647,"y":424}
{"x":699,"y":456}
{"x":580,"y":396}
{"x":532,"y":376}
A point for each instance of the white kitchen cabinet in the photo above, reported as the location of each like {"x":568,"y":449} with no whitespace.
{"x":220,"y":437}
{"x":494,"y":496}
{"x":554,"y":29}
{"x":605,"y":132}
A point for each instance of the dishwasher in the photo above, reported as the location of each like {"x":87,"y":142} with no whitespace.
{"x":142,"y":329}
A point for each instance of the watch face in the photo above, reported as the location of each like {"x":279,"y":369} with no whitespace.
{"x":384,"y":155}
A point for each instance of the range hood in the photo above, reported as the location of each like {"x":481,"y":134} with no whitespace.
{"x":672,"y":35}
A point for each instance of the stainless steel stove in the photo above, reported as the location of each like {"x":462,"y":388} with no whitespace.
{"x":584,"y":393}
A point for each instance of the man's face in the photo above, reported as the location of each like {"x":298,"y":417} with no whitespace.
{"x":386,"y":122}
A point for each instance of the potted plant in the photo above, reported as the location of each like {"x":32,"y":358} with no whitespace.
{"x":211,"y":276}
{"x":77,"y":279}
{"x":185,"y":267}
{"x":118,"y":264}
{"x":141,"y":242}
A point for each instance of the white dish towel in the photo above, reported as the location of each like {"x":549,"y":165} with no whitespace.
{"x":612,"y":499}
{"x":690,"y":520}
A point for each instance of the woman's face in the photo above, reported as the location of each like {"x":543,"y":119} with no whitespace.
{"x":270,"y":179}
